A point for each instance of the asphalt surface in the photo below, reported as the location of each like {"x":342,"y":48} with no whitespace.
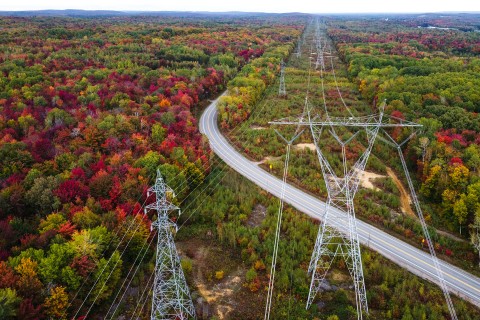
{"x":459,"y":282}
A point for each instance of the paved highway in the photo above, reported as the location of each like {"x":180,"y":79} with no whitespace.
{"x":459,"y":282}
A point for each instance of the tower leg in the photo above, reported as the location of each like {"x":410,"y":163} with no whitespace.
{"x":354,"y":264}
{"x":331,"y":243}
{"x":171,"y":296}
{"x":322,"y":259}
{"x":322,"y":256}
{"x":319,"y":240}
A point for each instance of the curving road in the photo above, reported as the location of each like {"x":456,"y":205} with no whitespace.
{"x":459,"y":282}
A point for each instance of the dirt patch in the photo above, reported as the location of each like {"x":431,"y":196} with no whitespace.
{"x":339,"y":276}
{"x":216,"y":276}
{"x":266,"y":159}
{"x":366,"y":178}
{"x":220,"y":296}
{"x":259,"y":213}
{"x":302,"y":146}
{"x":405,"y":200}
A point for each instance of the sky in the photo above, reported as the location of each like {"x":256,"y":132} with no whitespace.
{"x":309,"y":6}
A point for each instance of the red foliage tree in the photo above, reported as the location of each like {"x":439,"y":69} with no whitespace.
{"x":70,"y":190}
{"x":7,"y":276}
{"x":28,"y":311}
{"x":67,"y":229}
{"x":78,"y":174}
{"x":83,"y":265}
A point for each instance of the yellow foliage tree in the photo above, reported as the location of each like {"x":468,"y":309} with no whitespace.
{"x":459,"y":175}
{"x":431,"y":183}
{"x":83,"y":244}
{"x":56,"y":304}
{"x":28,"y":283}
{"x":449,"y":197}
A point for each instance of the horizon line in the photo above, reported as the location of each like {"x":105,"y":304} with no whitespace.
{"x":239,"y":11}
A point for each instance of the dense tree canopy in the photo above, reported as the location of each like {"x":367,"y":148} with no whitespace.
{"x":431,"y":74}
{"x":89,"y":109}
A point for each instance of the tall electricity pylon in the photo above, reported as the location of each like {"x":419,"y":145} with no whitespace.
{"x":281,"y":89}
{"x":320,"y":61}
{"x":337,"y":235}
{"x":171,"y":296}
{"x":298,"y":49}
{"x":322,"y":49}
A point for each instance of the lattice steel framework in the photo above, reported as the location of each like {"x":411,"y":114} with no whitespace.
{"x":281,"y":89}
{"x":171,"y":296}
{"x":342,"y":184}
{"x":323,"y":49}
{"x":298,"y":49}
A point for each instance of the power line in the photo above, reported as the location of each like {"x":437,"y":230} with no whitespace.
{"x":143,"y":250}
{"x":271,"y":281}
{"x":390,"y":141}
{"x":281,"y":89}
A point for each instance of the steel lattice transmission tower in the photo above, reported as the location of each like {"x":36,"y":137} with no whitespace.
{"x":318,"y":43}
{"x":322,"y":49}
{"x":337,"y":235}
{"x":320,"y":60}
{"x":171,"y":296}
{"x":298,"y":49}
{"x":281,"y":89}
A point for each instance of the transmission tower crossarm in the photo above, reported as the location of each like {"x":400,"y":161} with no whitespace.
{"x":370,"y":121}
{"x":281,"y":89}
